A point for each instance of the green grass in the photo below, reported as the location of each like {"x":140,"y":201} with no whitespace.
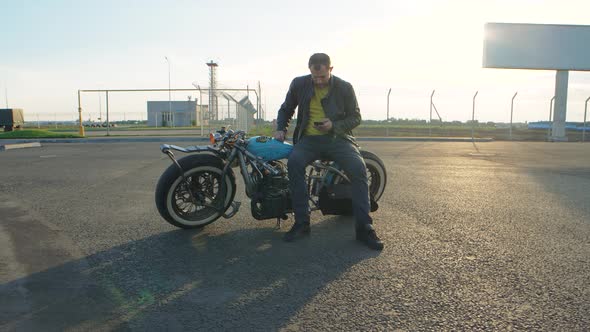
{"x":35,"y":133}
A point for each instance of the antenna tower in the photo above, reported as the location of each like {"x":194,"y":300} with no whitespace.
{"x":212,"y":87}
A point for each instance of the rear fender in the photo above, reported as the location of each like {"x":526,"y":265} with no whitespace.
{"x":202,"y":150}
{"x":189,"y":149}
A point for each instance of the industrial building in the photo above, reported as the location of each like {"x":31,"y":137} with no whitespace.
{"x":239,"y":112}
{"x":175,"y":113}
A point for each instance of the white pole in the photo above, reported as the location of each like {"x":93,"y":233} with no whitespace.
{"x":99,"y":109}
{"x":201,"y":110}
{"x":511,"y":112}
{"x":108,"y":123}
{"x":558,"y":132}
{"x":387,"y":120}
{"x":550,"y":114}
{"x":200,"y":106}
{"x":585,"y":111}
{"x":430,"y":119}
{"x":169,"y":91}
{"x":473,"y":116}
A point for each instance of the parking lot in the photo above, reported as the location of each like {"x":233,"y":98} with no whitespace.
{"x":492,"y":235}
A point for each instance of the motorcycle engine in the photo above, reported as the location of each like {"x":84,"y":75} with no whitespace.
{"x":272,"y":198}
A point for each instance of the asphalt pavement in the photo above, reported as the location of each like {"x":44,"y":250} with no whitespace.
{"x":478,"y":236}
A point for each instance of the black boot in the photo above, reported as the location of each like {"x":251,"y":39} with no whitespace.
{"x":299,"y":229}
{"x":367,"y":235}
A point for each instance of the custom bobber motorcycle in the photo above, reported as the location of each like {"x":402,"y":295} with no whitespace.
{"x":200,"y":188}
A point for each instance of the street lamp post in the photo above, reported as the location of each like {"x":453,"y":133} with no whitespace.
{"x":169,"y":93}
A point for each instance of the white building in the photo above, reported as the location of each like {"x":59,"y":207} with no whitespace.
{"x":175,"y":113}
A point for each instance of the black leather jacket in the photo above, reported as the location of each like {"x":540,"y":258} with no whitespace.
{"x":340,"y":106}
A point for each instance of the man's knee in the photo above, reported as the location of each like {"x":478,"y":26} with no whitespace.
{"x":355,"y":166}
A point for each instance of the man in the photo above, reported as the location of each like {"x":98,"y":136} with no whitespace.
{"x":327,"y":113}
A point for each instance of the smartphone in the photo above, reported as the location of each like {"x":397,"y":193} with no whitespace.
{"x":318,"y":123}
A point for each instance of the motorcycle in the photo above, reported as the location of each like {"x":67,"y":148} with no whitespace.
{"x":199,"y":188}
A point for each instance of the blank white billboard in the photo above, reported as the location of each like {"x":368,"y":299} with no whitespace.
{"x":537,"y":46}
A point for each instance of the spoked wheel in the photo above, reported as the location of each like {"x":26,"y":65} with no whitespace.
{"x":194,"y":197}
{"x":191,"y":202}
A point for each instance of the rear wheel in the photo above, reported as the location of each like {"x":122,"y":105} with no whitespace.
{"x":376,"y":173}
{"x":191,"y":202}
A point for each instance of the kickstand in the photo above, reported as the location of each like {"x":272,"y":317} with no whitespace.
{"x":278,"y":223}
{"x":283,"y":217}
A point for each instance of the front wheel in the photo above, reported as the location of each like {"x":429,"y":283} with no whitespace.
{"x":190,"y":203}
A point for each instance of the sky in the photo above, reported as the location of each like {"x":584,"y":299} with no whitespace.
{"x":51,"y":49}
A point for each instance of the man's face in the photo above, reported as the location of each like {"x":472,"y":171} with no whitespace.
{"x":320,"y":75}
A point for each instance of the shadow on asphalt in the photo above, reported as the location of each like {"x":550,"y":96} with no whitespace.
{"x":246,"y":279}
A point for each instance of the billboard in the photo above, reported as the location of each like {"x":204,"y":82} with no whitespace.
{"x":537,"y":46}
{"x":11,"y":117}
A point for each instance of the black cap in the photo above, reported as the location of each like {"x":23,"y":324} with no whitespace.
{"x":319,"y":59}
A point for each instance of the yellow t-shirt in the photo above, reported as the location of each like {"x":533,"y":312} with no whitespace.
{"x":316,"y":111}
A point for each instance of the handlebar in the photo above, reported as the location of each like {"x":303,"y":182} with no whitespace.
{"x":228,"y":137}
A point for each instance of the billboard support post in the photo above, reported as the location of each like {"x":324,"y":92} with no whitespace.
{"x":559,"y":112}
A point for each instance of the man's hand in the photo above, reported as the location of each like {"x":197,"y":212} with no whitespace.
{"x":279,"y":135}
{"x":325,"y":127}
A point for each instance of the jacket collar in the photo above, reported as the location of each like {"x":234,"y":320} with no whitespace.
{"x":330,"y":83}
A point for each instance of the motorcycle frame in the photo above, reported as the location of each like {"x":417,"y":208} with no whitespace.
{"x":322,"y":172}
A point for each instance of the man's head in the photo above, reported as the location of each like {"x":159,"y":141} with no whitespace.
{"x":320,"y":68}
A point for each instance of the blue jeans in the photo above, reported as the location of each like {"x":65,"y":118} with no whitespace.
{"x":348,"y":157}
